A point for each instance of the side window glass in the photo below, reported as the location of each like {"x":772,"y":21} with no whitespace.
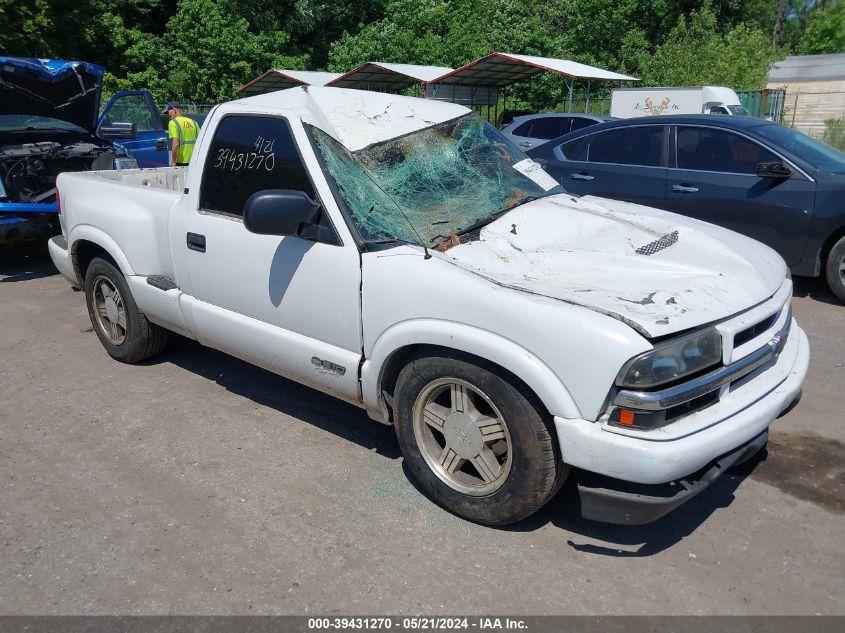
{"x":523,"y":130}
{"x":249,"y":154}
{"x":640,"y":145}
{"x":132,"y":109}
{"x":574,"y":150}
{"x":707,"y":149}
{"x":548,"y":127}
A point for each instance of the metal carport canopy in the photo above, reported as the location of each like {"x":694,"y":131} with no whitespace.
{"x":388,"y":76}
{"x":280,"y":79}
{"x":498,"y":70}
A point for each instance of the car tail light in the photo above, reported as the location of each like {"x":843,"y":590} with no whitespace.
{"x":58,"y":203}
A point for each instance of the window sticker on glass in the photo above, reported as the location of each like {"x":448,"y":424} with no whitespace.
{"x":532,"y":170}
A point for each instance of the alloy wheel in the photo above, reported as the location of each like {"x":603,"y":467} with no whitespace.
{"x":462,"y":436}
{"x":109,"y":310}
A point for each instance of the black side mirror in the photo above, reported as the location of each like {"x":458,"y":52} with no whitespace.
{"x":775,"y":169}
{"x":280,"y":212}
{"x":118,"y":130}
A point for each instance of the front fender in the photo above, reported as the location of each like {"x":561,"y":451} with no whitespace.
{"x":492,"y":347}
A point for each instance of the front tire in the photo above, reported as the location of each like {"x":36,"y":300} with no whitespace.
{"x":835,"y":269}
{"x":477,"y":440}
{"x":121,"y":327}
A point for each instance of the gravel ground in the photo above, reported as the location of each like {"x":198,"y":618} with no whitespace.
{"x":196,"y":483}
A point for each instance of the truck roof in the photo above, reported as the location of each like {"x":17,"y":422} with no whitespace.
{"x":358,"y":118}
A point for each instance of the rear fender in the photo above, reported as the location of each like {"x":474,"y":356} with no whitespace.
{"x":88,"y":233}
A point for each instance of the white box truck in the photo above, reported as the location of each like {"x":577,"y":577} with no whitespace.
{"x":627,"y":103}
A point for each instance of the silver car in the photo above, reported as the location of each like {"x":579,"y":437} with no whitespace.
{"x":532,"y":130}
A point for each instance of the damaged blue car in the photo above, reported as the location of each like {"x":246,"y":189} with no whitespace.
{"x":49,"y":124}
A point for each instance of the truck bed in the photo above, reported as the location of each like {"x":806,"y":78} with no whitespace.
{"x":171,"y":178}
{"x":131,"y":207}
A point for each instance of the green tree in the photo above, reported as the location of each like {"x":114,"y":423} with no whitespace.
{"x":92,"y":30}
{"x":825,"y":32}
{"x":203,"y":49}
{"x":202,"y":55}
{"x":696,"y":53}
{"x":24,"y":26}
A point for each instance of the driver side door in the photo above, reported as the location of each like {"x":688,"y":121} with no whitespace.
{"x":288,"y":304}
{"x":149,"y":146}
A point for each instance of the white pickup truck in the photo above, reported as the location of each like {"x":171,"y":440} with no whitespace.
{"x":402,"y":255}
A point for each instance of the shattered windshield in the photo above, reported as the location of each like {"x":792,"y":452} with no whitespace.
{"x":433,"y":184}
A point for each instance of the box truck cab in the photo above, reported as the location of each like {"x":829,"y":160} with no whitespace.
{"x":627,"y":103}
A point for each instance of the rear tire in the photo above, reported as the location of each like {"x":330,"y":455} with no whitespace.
{"x":476,"y":440}
{"x":121,"y":327}
{"x":835,"y":269}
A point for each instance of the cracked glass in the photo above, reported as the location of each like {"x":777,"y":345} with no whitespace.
{"x":431,"y":185}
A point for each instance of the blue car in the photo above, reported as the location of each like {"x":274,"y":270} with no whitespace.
{"x":755,"y":177}
{"x":49,"y":124}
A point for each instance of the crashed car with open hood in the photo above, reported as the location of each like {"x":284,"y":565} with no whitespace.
{"x":48,"y":116}
{"x":404,"y":256}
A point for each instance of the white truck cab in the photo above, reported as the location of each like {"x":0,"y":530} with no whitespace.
{"x":627,"y":103}
{"x":402,"y":255}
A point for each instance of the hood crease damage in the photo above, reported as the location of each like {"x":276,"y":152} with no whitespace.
{"x":580,"y":251}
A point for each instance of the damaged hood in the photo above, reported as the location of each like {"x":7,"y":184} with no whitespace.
{"x":65,"y":90}
{"x":658,"y":272}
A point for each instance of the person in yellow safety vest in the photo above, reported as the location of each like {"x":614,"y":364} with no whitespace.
{"x":183,"y":133}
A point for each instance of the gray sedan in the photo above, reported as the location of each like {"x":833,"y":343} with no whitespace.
{"x":533,"y":130}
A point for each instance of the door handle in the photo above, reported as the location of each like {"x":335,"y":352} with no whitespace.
{"x":161,"y":145}
{"x":196,"y":242}
{"x":524,"y":144}
{"x":684,"y":189}
{"x":580,"y":175}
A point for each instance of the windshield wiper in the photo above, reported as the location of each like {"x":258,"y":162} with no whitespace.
{"x":484,"y":222}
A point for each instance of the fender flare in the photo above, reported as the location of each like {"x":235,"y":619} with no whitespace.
{"x":89,"y":233}
{"x":458,"y":336}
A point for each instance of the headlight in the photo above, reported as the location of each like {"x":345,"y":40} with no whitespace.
{"x":672,"y":360}
{"x":125,"y":162}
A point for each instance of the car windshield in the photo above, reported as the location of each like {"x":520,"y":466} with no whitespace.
{"x":15,"y":122}
{"x":818,"y":154}
{"x":738,"y":110}
{"x":435,"y":183}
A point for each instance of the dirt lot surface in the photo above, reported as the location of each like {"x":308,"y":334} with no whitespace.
{"x":196,"y":483}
